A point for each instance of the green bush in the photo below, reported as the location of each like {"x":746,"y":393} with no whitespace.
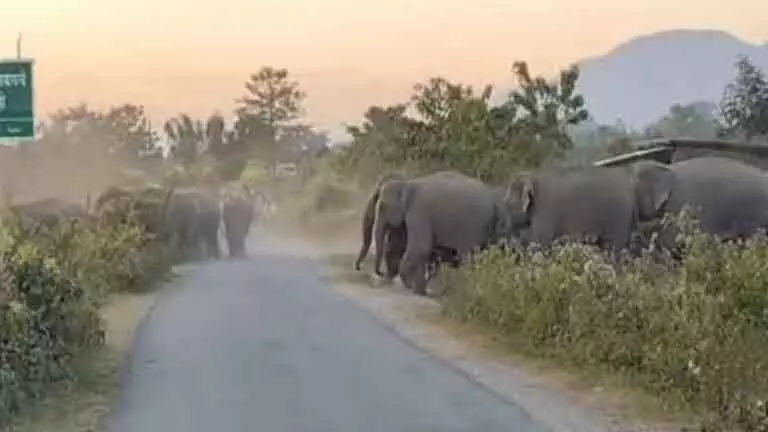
{"x":52,"y":282}
{"x":695,"y":331}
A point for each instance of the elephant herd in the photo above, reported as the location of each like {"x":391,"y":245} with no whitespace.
{"x":419,"y":223}
{"x":188,"y":219}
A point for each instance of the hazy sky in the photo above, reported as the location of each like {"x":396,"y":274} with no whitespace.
{"x":194,"y":55}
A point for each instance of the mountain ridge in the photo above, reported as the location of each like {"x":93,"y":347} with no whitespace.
{"x":639,"y":79}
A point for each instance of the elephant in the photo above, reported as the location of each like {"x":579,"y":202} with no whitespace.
{"x":395,"y":238}
{"x":237,"y":212}
{"x":182,"y":220}
{"x":49,"y":211}
{"x":149,"y":204}
{"x":593,"y":204}
{"x":208,"y":220}
{"x":445,"y":209}
{"x":728,"y":197}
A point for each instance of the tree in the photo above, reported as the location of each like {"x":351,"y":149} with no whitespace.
{"x":547,"y":108}
{"x":131,"y":134}
{"x":122,"y":131}
{"x":744,"y":106}
{"x":273,"y":102}
{"x":215,"y":135}
{"x":186,"y":136}
{"x":300,"y":142}
{"x":693,"y":120}
{"x":273,"y":96}
{"x":453,"y":125}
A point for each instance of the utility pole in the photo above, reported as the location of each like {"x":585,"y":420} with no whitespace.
{"x":18,"y":46}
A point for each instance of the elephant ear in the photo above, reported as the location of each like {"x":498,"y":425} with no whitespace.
{"x":521,"y":189}
{"x":526,"y":193}
{"x":653,"y":184}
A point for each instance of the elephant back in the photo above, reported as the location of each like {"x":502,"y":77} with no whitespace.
{"x":450,"y":199}
{"x":49,"y":211}
{"x":145,"y":204}
{"x":730,"y":197}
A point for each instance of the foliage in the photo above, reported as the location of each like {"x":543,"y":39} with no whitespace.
{"x":594,"y":141}
{"x":273,"y":96}
{"x":694,"y":332}
{"x":187,"y":137}
{"x":693,"y":120}
{"x":453,"y":125}
{"x":744,"y":107}
{"x":52,"y":281}
{"x":123,"y":131}
{"x":549,"y":107}
{"x":265,"y":127}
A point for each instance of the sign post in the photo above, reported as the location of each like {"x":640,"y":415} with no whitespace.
{"x":17,"y":115}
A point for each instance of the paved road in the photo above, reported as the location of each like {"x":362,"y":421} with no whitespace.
{"x":264,"y":345}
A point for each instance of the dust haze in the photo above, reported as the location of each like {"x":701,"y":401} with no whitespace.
{"x":58,"y":168}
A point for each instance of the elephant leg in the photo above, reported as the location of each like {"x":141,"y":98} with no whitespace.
{"x":241,"y":242}
{"x":242,"y":247}
{"x":174,"y":244}
{"x":396,"y":244}
{"x":212,"y":245}
{"x":431,"y":269}
{"x":236,"y":241}
{"x":417,"y":255}
{"x":231,"y":242}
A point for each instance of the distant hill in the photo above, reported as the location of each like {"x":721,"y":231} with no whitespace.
{"x":638,"y":80}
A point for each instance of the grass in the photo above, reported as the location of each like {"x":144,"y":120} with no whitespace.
{"x":82,"y":405}
{"x":693,"y":334}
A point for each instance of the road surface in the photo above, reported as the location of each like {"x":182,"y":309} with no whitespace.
{"x":263,"y":344}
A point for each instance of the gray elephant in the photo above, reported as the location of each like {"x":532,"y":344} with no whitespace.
{"x":149,"y":204}
{"x":446,"y":209}
{"x":395,"y":240}
{"x":182,"y":221}
{"x":728,"y":197}
{"x":49,"y":211}
{"x":208,"y":220}
{"x":237,"y":212}
{"x":584,"y":204}
{"x":394,"y":236}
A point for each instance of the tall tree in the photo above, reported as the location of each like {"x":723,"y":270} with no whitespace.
{"x":215,"y":135}
{"x":186,"y":136}
{"x":131,"y":133}
{"x":274,"y":96}
{"x":273,"y":100}
{"x":548,"y":107}
{"x":744,"y":106}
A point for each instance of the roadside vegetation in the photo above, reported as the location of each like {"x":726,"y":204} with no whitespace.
{"x":55,"y":280}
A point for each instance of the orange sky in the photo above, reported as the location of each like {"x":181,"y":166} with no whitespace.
{"x":193,"y":55}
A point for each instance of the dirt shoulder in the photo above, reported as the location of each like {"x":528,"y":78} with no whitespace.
{"x":563,"y":399}
{"x":82,"y":406}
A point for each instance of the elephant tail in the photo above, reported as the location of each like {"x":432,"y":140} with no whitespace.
{"x":367,"y":228}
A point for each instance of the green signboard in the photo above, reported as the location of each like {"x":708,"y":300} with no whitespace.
{"x":17,"y":115}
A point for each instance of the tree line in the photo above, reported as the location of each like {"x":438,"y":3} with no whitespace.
{"x":443,"y":124}
{"x":541,"y":121}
